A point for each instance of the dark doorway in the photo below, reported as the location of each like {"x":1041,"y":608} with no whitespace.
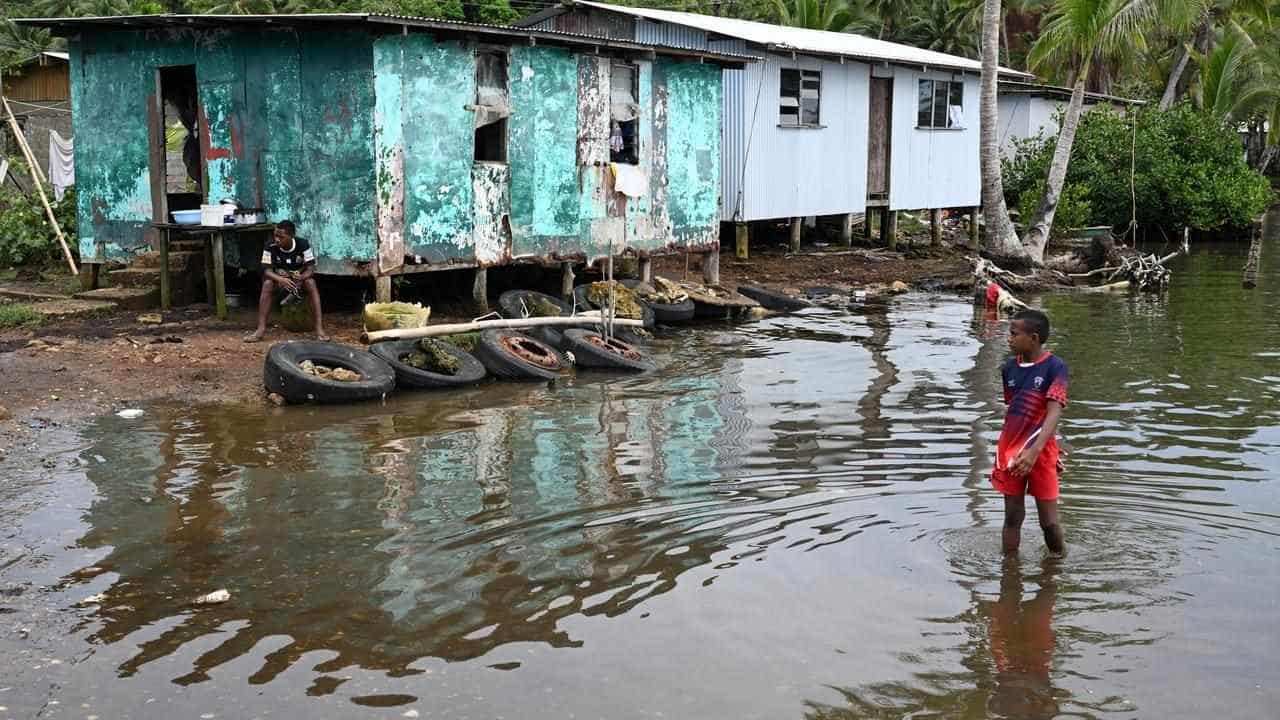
{"x":181,"y":163}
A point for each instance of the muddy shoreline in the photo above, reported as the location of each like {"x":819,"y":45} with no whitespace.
{"x":66,"y":371}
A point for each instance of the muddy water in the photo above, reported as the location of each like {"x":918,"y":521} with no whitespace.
{"x":788,"y":519}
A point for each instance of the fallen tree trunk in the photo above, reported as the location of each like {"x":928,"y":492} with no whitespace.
{"x":1255,"y":258}
{"x":511,"y":324}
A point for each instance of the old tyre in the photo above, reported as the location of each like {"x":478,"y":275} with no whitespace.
{"x":516,"y":304}
{"x":470,"y":370}
{"x":666,"y":313}
{"x":771,"y":300}
{"x":282,"y":374}
{"x":580,"y":297}
{"x":591,"y":350}
{"x":516,"y":356}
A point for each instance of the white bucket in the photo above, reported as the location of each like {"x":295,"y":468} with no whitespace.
{"x":213,"y":215}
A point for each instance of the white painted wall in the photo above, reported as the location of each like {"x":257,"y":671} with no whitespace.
{"x":775,"y":172}
{"x":1015,"y":111}
{"x":933,"y":168}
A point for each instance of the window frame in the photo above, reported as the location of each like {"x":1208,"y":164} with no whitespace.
{"x":500,"y":126}
{"x":615,"y":65}
{"x":801,"y":76}
{"x":951,"y":88}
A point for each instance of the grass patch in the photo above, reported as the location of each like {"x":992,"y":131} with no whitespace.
{"x":18,"y":315}
{"x":8,"y":275}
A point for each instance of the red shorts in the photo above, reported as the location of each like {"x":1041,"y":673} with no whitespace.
{"x":1041,"y":483}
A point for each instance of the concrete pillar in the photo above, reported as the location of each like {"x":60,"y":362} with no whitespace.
{"x":711,"y":267}
{"x":742,"y":241}
{"x":646,"y":270}
{"x":889,"y":228}
{"x":480,"y":289}
{"x":797,"y":224}
{"x":846,"y":230}
{"x":566,"y":280}
{"x":974,"y":238}
{"x":935,"y":220}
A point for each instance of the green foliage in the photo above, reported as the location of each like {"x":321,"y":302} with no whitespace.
{"x":18,"y":315}
{"x":1188,"y":171}
{"x":1074,"y":209}
{"x":833,"y":15}
{"x":26,"y":237}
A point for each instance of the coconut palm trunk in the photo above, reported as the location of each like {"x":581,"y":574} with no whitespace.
{"x":1001,"y":241}
{"x":1038,"y":231}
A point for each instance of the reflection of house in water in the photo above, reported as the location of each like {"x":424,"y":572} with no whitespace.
{"x":387,"y":538}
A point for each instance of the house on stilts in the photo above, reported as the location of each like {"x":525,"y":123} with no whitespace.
{"x":828,"y":123}
{"x":396,"y":144}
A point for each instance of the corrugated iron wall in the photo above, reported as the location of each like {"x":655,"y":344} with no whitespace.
{"x":791,"y":172}
{"x":933,"y":168}
{"x":48,"y":83}
{"x":660,"y":33}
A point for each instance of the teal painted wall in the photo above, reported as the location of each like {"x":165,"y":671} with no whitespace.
{"x":543,"y":136}
{"x":367,"y":145}
{"x":288,"y":127}
{"x":693,"y":150}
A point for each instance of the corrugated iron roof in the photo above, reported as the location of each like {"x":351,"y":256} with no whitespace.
{"x":67,"y":26}
{"x":801,"y":40}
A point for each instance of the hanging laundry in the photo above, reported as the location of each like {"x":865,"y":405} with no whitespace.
{"x":62,"y":172}
{"x":630,"y":180}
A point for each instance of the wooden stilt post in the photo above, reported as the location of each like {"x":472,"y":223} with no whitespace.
{"x":382,"y":288}
{"x":88,"y":275}
{"x":889,"y":228}
{"x":219,"y":278}
{"x":797,"y":225}
{"x":974,"y":239}
{"x":646,"y":270}
{"x":166,"y":292}
{"x":846,"y":230}
{"x":935,"y":220}
{"x":742,"y":241}
{"x":868,"y":232}
{"x":711,"y":266}
{"x":480,"y":289}
{"x":566,"y":280}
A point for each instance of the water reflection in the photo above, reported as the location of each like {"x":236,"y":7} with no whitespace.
{"x":791,"y":516}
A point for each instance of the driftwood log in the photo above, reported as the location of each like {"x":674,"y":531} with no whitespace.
{"x":1255,"y":258}
{"x":512,"y":324}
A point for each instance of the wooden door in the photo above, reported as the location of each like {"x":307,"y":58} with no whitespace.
{"x":880,"y":128}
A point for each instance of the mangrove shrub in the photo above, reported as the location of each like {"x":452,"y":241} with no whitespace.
{"x":1188,"y":171}
{"x":26,"y":237}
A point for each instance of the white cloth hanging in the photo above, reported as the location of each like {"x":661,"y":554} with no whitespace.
{"x":62,"y":169}
{"x":4,"y":171}
{"x":630,"y":180}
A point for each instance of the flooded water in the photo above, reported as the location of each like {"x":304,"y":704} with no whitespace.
{"x":789,"y":519}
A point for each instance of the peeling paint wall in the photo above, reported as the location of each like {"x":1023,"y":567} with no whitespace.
{"x":693,"y":151}
{"x":368,"y":145}
{"x":285,"y":125}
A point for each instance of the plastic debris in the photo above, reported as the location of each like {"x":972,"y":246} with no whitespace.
{"x":395,"y":316}
{"x":130,"y":414}
{"x":213,"y":598}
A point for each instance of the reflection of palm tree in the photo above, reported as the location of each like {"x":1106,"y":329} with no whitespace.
{"x":871,"y":406}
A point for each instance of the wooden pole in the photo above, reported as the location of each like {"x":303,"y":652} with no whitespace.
{"x":796,"y":225}
{"x":935,"y":221}
{"x":711,"y":266}
{"x":36,"y":173}
{"x":742,"y":241}
{"x":382,"y":288}
{"x":973,"y":228}
{"x":846,"y":230}
{"x":889,"y":228}
{"x":480,"y":289}
{"x":513,"y":324}
{"x":646,"y":270}
{"x":566,"y":280}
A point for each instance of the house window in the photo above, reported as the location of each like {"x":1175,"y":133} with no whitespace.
{"x":941,"y":104}
{"x":624,"y":114}
{"x":799,"y":98}
{"x":492,"y":107}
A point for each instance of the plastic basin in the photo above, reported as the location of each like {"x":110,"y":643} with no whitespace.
{"x":186,"y":217}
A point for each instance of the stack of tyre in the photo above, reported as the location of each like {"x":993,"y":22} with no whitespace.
{"x":515,"y":355}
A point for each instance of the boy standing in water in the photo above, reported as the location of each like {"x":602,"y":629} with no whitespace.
{"x":1035,"y":391}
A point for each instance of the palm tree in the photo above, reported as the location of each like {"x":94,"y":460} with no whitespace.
{"x":1075,"y":35}
{"x":832,"y":15}
{"x":1206,"y":19}
{"x":944,"y":26}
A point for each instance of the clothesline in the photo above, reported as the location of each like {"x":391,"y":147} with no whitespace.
{"x":37,"y":106}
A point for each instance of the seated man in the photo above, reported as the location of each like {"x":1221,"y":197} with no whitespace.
{"x":291,"y":267}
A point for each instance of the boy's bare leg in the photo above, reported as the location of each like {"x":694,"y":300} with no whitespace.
{"x":1053,"y":539}
{"x":265,"y":298}
{"x":313,"y":297}
{"x":1015,"y":511}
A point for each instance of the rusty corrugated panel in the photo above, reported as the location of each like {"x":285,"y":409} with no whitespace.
{"x":597,"y":22}
{"x":39,"y":83}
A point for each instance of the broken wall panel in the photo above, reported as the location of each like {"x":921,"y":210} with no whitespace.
{"x":491,"y":193}
{"x":335,"y":202}
{"x":693,"y":151}
{"x":388,"y":135}
{"x":439,"y":145}
{"x":543,"y":131}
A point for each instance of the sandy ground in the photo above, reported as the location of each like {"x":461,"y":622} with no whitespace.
{"x":61,"y":372}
